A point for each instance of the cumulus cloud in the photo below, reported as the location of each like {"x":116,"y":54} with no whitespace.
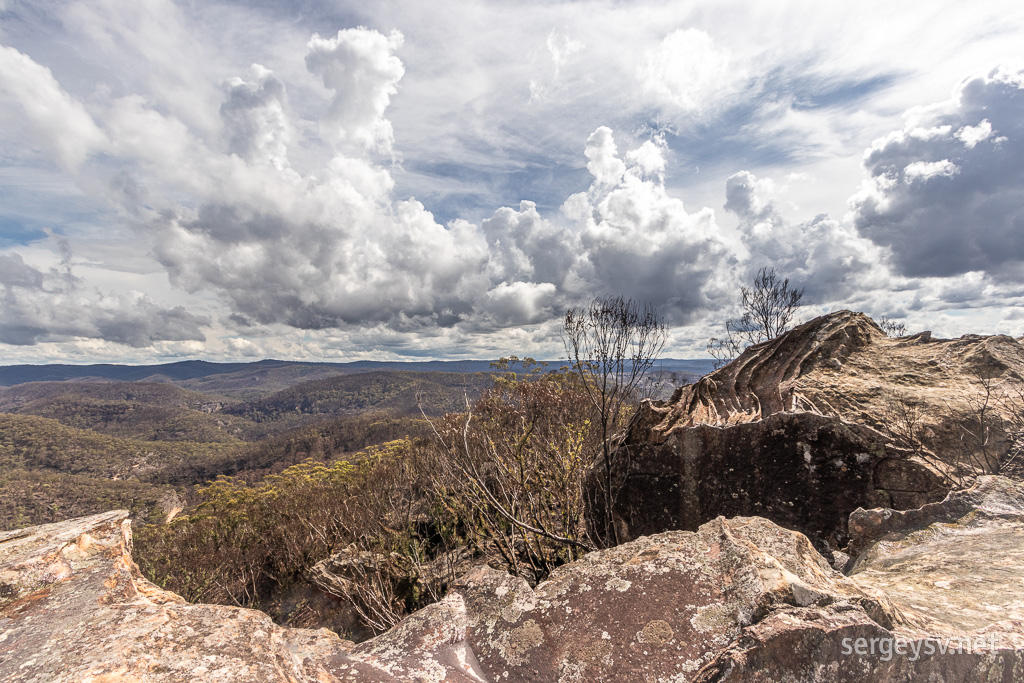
{"x":824,"y":255}
{"x":361,"y":68}
{"x":525,"y":247}
{"x":946,"y":193}
{"x":34,"y":106}
{"x":333,"y":249}
{"x":639,"y":241}
{"x":603,"y":160}
{"x":54,"y":305}
{"x":256,"y":119}
{"x":290,"y":233}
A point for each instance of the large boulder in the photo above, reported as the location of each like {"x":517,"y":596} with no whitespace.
{"x":74,"y":607}
{"x":737,"y":600}
{"x":959,"y":563}
{"x":659,"y":608}
{"x":803,"y":429}
{"x":952,"y":572}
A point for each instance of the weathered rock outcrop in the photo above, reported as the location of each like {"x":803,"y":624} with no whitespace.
{"x":737,"y":600}
{"x":957,"y":563}
{"x":73,"y":607}
{"x":801,"y":430}
{"x":953,"y":575}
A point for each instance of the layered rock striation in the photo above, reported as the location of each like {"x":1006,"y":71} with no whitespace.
{"x":831,"y":416}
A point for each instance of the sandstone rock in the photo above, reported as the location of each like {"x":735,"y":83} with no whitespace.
{"x":952,"y":573}
{"x":75,"y":608}
{"x":737,"y":600}
{"x":957,"y":564}
{"x":797,"y":430}
{"x":657,"y":609}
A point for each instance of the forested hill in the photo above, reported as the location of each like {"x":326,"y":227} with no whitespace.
{"x":265,"y":376}
{"x":197,"y":369}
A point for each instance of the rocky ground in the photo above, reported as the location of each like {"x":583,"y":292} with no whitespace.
{"x":739,"y":599}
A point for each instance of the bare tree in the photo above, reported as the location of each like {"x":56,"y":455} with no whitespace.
{"x":768,"y":309}
{"x":612,"y":343}
{"x":892,"y":328}
{"x":513,"y":465}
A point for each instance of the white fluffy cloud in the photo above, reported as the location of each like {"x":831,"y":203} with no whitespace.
{"x":325,"y":188}
{"x":639,"y":241}
{"x":333,"y":249}
{"x":34,"y":106}
{"x":255,"y":115}
{"x":361,"y":68}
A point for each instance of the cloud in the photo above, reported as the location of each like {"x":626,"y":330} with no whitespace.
{"x":562,"y":48}
{"x":824,"y":255}
{"x":639,"y":241}
{"x":946,"y":193}
{"x":925,"y":170}
{"x":245,"y":348}
{"x":44,"y":306}
{"x":157,"y":47}
{"x":33,"y":106}
{"x":525,"y":247}
{"x":687,"y":71}
{"x":361,"y":69}
{"x":521,"y":303}
{"x":255,"y":117}
{"x":333,"y":249}
{"x":273,"y":192}
{"x":603,"y":160}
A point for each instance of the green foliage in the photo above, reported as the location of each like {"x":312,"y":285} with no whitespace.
{"x":40,"y":497}
{"x":244,"y":542}
{"x":394,"y":391}
{"x":37,"y":443}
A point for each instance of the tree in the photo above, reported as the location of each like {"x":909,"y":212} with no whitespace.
{"x":612,"y":344}
{"x":768,"y":309}
{"x":892,"y":328}
{"x":513,"y":467}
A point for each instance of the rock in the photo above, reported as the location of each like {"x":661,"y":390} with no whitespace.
{"x":841,"y":562}
{"x":659,"y":608}
{"x":739,"y":600}
{"x":957,"y":564}
{"x":952,"y":574}
{"x":801,"y":470}
{"x":800,"y":430}
{"x":74,"y":607}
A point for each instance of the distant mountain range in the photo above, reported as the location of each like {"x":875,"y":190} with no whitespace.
{"x":182,"y":371}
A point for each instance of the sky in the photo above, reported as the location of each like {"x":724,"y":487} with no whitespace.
{"x":341,"y":180}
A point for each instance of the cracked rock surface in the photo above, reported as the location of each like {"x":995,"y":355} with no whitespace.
{"x":739,"y":599}
{"x":799,"y":430}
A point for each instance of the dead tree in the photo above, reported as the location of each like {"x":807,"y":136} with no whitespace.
{"x":612,"y":343}
{"x":768,"y":310}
